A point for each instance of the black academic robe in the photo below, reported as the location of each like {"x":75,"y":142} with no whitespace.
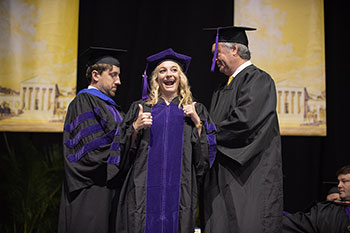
{"x":243,"y":190}
{"x":90,"y":159}
{"x":325,"y":217}
{"x":165,"y":165}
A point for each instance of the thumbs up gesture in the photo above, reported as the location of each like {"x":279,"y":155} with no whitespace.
{"x":143,"y":120}
{"x":190,"y":111}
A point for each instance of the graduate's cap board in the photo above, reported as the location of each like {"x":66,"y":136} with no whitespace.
{"x":101,"y":55}
{"x":233,"y":34}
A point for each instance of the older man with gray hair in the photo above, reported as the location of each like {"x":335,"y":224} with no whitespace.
{"x":243,"y":190}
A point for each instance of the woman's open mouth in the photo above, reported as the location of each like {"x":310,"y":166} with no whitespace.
{"x":169,"y":82}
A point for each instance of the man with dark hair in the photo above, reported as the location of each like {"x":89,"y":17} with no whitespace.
{"x":343,"y":175}
{"x":243,"y":190}
{"x":324,"y":217}
{"x":90,"y":154}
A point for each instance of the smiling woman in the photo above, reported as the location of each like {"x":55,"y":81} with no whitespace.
{"x":170,"y":140}
{"x":168,"y":79}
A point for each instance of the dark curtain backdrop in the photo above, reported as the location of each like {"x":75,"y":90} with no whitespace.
{"x":147,"y":27}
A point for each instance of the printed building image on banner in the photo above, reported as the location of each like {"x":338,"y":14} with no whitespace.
{"x":38,"y":56}
{"x":289,"y":45}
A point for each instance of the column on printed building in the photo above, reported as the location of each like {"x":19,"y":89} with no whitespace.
{"x":290,"y":104}
{"x":38,"y":94}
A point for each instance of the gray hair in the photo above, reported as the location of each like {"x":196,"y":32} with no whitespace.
{"x":243,"y":50}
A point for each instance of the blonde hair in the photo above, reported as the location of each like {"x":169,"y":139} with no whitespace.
{"x":184,"y":90}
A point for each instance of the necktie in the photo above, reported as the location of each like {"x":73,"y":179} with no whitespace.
{"x":229,"y":80}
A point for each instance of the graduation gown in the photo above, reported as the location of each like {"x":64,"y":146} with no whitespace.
{"x":325,"y":217}
{"x":165,"y":165}
{"x":243,"y":190}
{"x":90,"y":160}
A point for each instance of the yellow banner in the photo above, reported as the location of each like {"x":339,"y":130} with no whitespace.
{"x":38,"y":56}
{"x":289,"y":45}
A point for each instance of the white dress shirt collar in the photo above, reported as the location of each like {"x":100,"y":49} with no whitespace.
{"x":91,"y":87}
{"x":241,"y":67}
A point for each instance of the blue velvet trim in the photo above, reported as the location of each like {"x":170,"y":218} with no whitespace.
{"x":211,"y":141}
{"x":81,"y":118}
{"x":113,"y":159}
{"x":88,"y":147}
{"x":98,"y":93}
{"x":164,"y":169}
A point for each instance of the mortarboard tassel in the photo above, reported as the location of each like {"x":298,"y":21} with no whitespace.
{"x":145,"y":86}
{"x":216,"y":50}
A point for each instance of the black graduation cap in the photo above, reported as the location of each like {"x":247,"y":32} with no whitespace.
{"x":231,"y":34}
{"x":333,"y":189}
{"x":329,"y":187}
{"x":101,"y":55}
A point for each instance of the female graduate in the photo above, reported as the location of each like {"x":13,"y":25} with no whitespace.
{"x":169,"y":143}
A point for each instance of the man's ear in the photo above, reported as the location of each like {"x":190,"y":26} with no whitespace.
{"x":234,"y":50}
{"x":95,"y":75}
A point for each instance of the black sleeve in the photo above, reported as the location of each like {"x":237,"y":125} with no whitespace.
{"x":88,"y":133}
{"x":128,"y":149}
{"x":204,"y":145}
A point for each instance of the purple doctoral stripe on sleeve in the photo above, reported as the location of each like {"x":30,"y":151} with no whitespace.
{"x":88,"y":147}
{"x":81,"y":118}
{"x":115,"y":145}
{"x":211,"y":141}
{"x":113,"y":159}
{"x":71,"y":143}
{"x":116,"y":115}
{"x":117,"y":132}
